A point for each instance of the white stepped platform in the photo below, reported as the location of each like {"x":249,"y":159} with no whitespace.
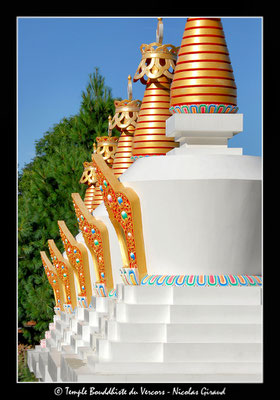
{"x":147,"y":313}
{"x":191,"y":295}
{"x":172,"y":352}
{"x":134,"y":368}
{"x":158,"y":334}
{"x":184,"y":332}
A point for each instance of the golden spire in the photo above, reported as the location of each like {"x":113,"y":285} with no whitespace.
{"x":106,"y":146}
{"x":158,"y":63}
{"x":203,"y":80}
{"x":124,"y":120}
{"x":88,"y":178}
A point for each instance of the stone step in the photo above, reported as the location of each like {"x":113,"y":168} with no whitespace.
{"x":83,"y":330}
{"x":146,"y":313}
{"x":177,"y":352}
{"x":60,"y":326}
{"x":65,"y":317}
{"x":207,"y":352}
{"x":84,"y":374}
{"x":213,"y":333}
{"x":91,"y":317}
{"x":216,"y":314}
{"x":67,"y":349}
{"x":84,"y":351}
{"x":184,"y":332}
{"x":43,"y":364}
{"x":66,"y":337}
{"x":70,"y":362}
{"x":43,"y":367}
{"x":50,"y":343}
{"x":56,"y":335}
{"x":160,"y":313}
{"x":129,"y":352}
{"x":191,"y":295}
{"x":92,"y":359}
{"x":130,"y":368}
{"x":54,"y":360}
{"x":34,"y":363}
{"x":76,"y":341}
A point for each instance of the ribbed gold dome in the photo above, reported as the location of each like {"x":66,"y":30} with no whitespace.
{"x":149,"y":136}
{"x":203,"y":80}
{"x":125,"y":118}
{"x":156,"y":62}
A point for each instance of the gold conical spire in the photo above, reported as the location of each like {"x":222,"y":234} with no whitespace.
{"x":125,"y":118}
{"x":156,"y":62}
{"x":203,"y":79}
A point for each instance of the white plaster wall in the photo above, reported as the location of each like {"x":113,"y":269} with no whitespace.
{"x":201,"y":214}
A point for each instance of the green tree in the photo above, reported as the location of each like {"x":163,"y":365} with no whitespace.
{"x":44,"y":197}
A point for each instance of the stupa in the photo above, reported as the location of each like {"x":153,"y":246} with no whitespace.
{"x":168,"y":273}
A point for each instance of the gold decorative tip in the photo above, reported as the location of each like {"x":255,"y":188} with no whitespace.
{"x":159,"y":32}
{"x":129,"y":88}
{"x":109,"y":126}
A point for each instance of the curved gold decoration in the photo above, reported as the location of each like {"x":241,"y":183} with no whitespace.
{"x":54,"y":280}
{"x":65,"y":274}
{"x":123,"y":206}
{"x":126,"y":113}
{"x":88,"y":177}
{"x":107,"y":146}
{"x":157,"y":59}
{"x":96,"y":237}
{"x":78,"y":258}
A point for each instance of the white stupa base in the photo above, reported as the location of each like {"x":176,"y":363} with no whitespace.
{"x":157,"y":334}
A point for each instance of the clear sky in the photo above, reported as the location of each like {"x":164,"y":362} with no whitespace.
{"x":56,"y":55}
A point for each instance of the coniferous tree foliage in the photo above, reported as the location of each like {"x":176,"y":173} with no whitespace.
{"x":44,"y":197}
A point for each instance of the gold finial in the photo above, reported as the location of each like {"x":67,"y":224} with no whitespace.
{"x":159,"y":32}
{"x":129,"y":88}
{"x":109,"y":126}
{"x":94,"y":147}
{"x":157,"y":59}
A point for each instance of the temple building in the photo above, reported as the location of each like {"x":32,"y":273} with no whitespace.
{"x":163,"y":282}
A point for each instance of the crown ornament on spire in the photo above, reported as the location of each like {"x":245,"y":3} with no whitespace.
{"x":107,"y":145}
{"x":158,"y":63}
{"x":157,"y":58}
{"x":126,"y":111}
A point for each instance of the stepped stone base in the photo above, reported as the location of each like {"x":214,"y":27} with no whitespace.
{"x":157,"y":334}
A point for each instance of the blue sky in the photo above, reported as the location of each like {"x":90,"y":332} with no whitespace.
{"x":56,"y":56}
